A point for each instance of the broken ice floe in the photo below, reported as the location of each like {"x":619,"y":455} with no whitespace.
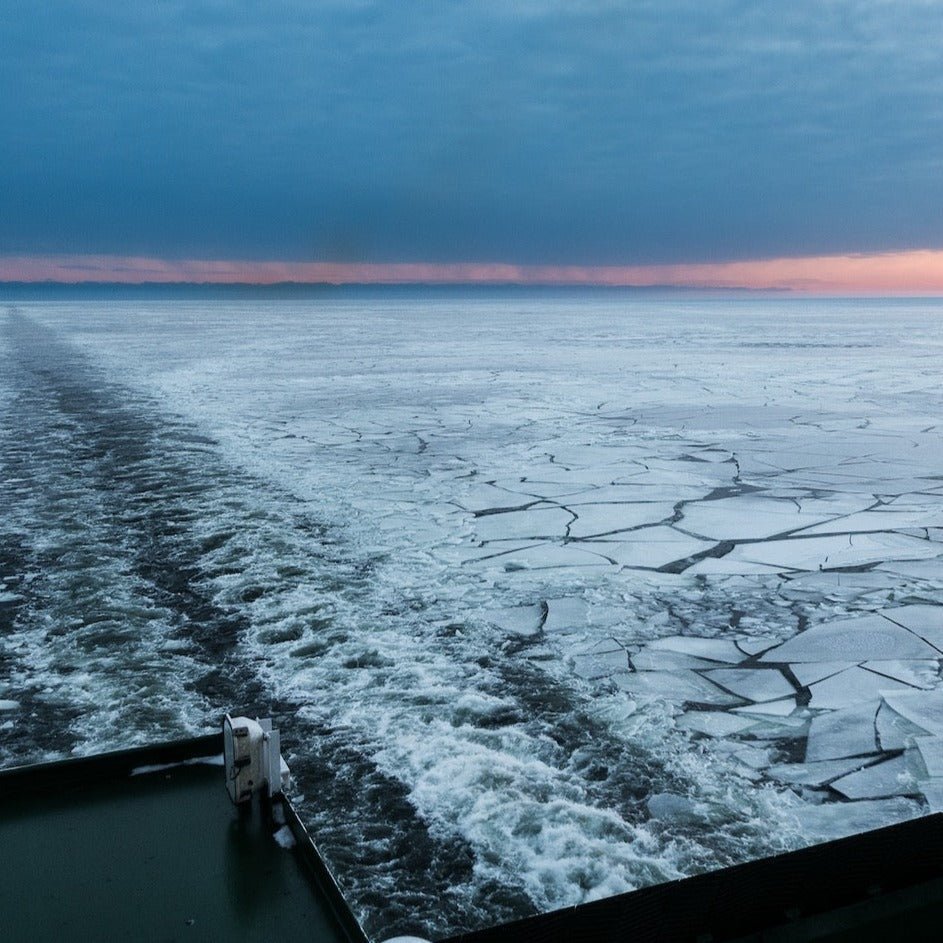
{"x":856,"y":697}
{"x":601,"y":660}
{"x":922,"y":708}
{"x":925,"y":621}
{"x":893,"y":777}
{"x":712,"y":649}
{"x":518,"y":620}
{"x":657,"y":660}
{"x":597,"y":519}
{"x":843,"y":733}
{"x":931,"y":753}
{"x":915,"y":672}
{"x":859,"y":707}
{"x":674,"y":686}
{"x":814,"y":774}
{"x":753,"y":684}
{"x":866,"y":638}
{"x":835,"y":820}
{"x":564,"y":615}
{"x":715,"y":723}
{"x":849,"y":687}
{"x":779,"y":709}
{"x":816,"y":553}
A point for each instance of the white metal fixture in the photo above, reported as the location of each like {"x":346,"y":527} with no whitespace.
{"x":252,"y":758}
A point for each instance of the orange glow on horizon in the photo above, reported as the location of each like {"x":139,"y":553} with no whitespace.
{"x":918,"y":272}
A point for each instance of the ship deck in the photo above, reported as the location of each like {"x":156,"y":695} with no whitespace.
{"x":111,"y":848}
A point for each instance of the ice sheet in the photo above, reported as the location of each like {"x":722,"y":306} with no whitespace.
{"x":715,"y":723}
{"x":755,"y":684}
{"x":923,"y":708}
{"x":931,"y":753}
{"x":893,"y":777}
{"x":814,"y":774}
{"x":676,"y":687}
{"x":842,"y":733}
{"x":852,"y":686}
{"x":923,"y":620}
{"x":712,"y":649}
{"x":866,"y":638}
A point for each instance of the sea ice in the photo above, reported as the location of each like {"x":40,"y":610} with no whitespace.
{"x":777,"y":709}
{"x":850,"y":687}
{"x":869,"y":637}
{"x":596,"y":519}
{"x":923,"y":708}
{"x":652,"y":659}
{"x":485,"y":497}
{"x":753,"y":646}
{"x":357,"y":439}
{"x":748,"y":516}
{"x":284,"y":837}
{"x":892,"y":777}
{"x":541,"y":522}
{"x":931,"y":752}
{"x":519,"y":620}
{"x":754,"y":684}
{"x":548,"y":556}
{"x":925,"y":621}
{"x":714,"y":649}
{"x":838,"y":819}
{"x":675,"y":686}
{"x":715,"y":723}
{"x":601,"y":660}
{"x":895,"y":732}
{"x":877,"y":520}
{"x":932,"y":791}
{"x":814,"y":774}
{"x":809,"y":672}
{"x":846,"y":732}
{"x":755,"y":757}
{"x":815,"y":553}
{"x":565,"y":614}
{"x":919,"y":673}
{"x":727,"y":566}
{"x":672,"y":808}
{"x":650,"y":548}
{"x":914,"y":569}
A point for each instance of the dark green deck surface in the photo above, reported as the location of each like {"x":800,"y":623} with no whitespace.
{"x":156,"y":857}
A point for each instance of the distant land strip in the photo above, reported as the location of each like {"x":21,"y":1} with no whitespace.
{"x":917,"y":272}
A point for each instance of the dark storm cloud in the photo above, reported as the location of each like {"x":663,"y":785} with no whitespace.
{"x":586,"y":132}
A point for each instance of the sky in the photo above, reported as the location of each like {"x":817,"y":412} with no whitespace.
{"x":437,"y":137}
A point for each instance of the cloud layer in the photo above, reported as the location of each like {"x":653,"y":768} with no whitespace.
{"x":585,"y":131}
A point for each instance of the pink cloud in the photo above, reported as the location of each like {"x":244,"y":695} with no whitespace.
{"x":913,"y":272}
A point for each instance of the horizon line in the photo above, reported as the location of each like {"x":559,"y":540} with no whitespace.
{"x":916,"y":272}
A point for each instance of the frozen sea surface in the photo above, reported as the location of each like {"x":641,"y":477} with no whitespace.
{"x":552,"y":597}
